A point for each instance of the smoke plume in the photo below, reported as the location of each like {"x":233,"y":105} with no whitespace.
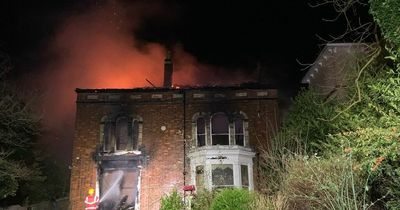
{"x":97,"y":49}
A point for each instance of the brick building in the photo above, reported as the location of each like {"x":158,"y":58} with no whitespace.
{"x":139,"y":144}
{"x":335,"y":67}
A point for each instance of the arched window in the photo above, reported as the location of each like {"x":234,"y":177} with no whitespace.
{"x":201,"y":131}
{"x":135,"y":134}
{"x":106,"y":134}
{"x":239,"y":131}
{"x":123,"y":133}
{"x":220,"y":129}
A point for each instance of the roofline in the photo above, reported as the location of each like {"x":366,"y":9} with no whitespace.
{"x":306,"y":77}
{"x":161,"y":89}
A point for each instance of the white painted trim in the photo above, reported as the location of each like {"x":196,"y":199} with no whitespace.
{"x":222,"y":154}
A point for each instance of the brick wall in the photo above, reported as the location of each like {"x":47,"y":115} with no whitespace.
{"x":165,"y":169}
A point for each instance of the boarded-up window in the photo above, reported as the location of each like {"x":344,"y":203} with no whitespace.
{"x":220,"y":129}
{"x":201,"y":132}
{"x":222,"y":175}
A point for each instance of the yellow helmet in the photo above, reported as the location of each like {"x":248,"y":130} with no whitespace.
{"x":91,"y":191}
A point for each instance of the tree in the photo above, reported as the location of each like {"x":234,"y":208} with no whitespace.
{"x":18,"y":129}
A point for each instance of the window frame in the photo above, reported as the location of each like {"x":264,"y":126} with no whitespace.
{"x":223,"y":134}
{"x":232,"y":135}
{"x":197,"y":131}
{"x":132,"y":143}
{"x":129,"y":133}
{"x":239,"y":117}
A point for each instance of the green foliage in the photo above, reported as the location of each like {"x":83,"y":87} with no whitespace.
{"x":25,"y":174}
{"x":55,"y":182}
{"x":172,"y":202}
{"x":232,"y":199}
{"x":18,"y":128}
{"x":386,"y":14}
{"x":309,"y":120}
{"x":322,"y":183}
{"x":203,"y":200}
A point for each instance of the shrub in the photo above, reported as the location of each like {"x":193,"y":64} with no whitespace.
{"x":321,"y":183}
{"x":232,"y":199}
{"x":203,"y":200}
{"x":172,"y":202}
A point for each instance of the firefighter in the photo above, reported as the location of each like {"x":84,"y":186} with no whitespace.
{"x":91,"y":201}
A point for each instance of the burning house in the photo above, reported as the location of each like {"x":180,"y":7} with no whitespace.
{"x":136,"y":145}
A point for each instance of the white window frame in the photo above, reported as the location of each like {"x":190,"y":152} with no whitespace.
{"x":210,"y":155}
{"x":229,"y":129}
{"x":208,"y":129}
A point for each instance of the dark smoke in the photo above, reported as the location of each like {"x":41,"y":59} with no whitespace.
{"x":96,"y":49}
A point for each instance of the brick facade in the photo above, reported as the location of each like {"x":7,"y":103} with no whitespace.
{"x":167,"y":117}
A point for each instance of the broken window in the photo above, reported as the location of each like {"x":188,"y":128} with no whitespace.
{"x":123,"y":133}
{"x":118,"y":186}
{"x":222,"y":175}
{"x":106,"y":134}
{"x":201,"y":132}
{"x":239,"y":131}
{"x":220,"y":129}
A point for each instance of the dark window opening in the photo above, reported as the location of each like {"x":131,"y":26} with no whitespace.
{"x":239,"y":131}
{"x":201,"y":132}
{"x":123,"y":133}
{"x":107,"y":136}
{"x":220,"y":129}
{"x":135,"y":134}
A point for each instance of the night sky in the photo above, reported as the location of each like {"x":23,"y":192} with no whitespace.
{"x":222,"y":33}
{"x":247,"y":39}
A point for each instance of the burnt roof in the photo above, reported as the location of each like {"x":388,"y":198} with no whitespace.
{"x":177,"y":88}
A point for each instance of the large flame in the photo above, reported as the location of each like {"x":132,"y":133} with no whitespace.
{"x":97,"y":50}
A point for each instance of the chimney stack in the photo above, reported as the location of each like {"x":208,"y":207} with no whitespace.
{"x":168,"y":70}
